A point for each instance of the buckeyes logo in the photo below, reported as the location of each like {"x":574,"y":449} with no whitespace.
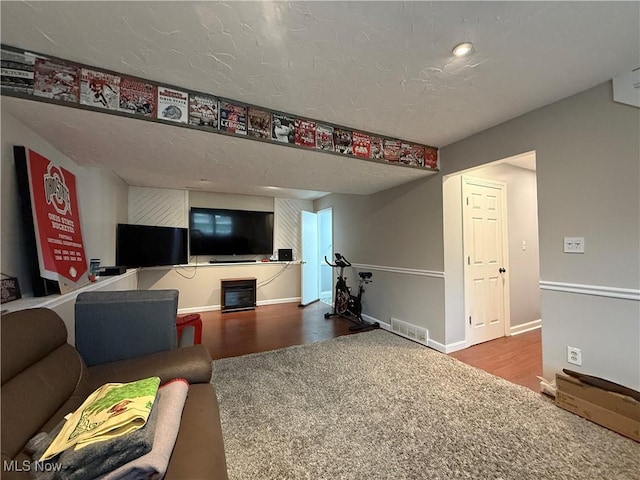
{"x":56,"y":191}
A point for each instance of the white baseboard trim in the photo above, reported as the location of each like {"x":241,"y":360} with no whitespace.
{"x":461,"y":345}
{"x":454,"y":347}
{"x":276,"y":301}
{"x":525,"y":327}
{"x":212,"y":308}
{"x":205,"y":308}
{"x":597,"y":290}
{"x":383,"y":325}
{"x":448,"y":348}
{"x":437,"y":346}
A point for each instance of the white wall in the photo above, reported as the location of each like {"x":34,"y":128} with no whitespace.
{"x":287,"y":231}
{"x":454,"y":319}
{"x":159,"y":207}
{"x":103,"y":200}
{"x":286,"y":222}
{"x":199,"y":282}
{"x":102,"y":197}
{"x":200,"y":287}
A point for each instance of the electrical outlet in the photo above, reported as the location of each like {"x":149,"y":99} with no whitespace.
{"x":578,"y":244}
{"x":573,"y":244}
{"x":568,"y":244}
{"x":574,"y":356}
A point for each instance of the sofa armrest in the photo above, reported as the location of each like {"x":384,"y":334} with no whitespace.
{"x":191,"y":363}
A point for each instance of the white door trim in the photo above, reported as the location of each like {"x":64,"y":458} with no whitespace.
{"x":309,"y":270}
{"x":326,"y":296}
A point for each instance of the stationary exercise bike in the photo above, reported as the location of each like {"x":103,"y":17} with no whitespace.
{"x":346,"y":305}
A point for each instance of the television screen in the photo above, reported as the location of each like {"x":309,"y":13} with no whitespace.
{"x":230,"y":232}
{"x":148,"y":246}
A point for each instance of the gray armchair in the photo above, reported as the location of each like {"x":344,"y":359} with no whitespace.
{"x":118,"y":325}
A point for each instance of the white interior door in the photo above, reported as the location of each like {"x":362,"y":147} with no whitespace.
{"x":310,"y":274}
{"x":484,"y":233}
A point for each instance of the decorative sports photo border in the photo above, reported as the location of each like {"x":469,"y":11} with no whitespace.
{"x":39,"y":77}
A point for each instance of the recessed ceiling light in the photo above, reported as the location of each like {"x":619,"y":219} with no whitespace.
{"x":462,"y":50}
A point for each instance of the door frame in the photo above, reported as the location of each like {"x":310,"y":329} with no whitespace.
{"x":467,"y":179}
{"x":309,"y":268}
{"x":323,"y":267}
{"x":313,"y":265}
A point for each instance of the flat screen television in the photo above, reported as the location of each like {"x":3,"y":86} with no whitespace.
{"x":230,"y":232}
{"x":149,"y":246}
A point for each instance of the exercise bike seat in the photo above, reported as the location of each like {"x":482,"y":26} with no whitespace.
{"x":365,"y":275}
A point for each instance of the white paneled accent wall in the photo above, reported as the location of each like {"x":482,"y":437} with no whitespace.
{"x":170,"y":208}
{"x":286,"y":229}
{"x":159,"y":207}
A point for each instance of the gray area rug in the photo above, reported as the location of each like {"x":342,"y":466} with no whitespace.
{"x":376,"y":406}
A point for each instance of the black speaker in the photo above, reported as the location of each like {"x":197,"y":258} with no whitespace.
{"x":285,"y":254}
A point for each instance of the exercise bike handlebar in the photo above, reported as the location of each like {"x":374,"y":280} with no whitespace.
{"x":340,"y":261}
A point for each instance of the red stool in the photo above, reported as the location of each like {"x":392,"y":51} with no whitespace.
{"x":192,"y":320}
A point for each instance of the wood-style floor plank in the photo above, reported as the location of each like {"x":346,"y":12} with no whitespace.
{"x":268,"y":327}
{"x":517,"y":359}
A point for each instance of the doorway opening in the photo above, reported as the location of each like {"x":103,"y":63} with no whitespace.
{"x":317,"y":242}
{"x":523,"y":274}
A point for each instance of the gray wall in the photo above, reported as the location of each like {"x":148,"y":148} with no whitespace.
{"x":587,"y":150}
{"x":394,"y":231}
{"x":588,"y":176}
{"x":588,"y":184}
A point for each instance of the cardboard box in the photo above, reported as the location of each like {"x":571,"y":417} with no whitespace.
{"x":616,"y":412}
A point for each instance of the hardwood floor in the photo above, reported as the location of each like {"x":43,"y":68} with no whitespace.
{"x":517,"y":358}
{"x":269,"y":327}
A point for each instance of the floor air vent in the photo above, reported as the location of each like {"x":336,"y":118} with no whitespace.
{"x":417,"y":334}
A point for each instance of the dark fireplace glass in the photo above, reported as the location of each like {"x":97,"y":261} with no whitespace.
{"x":238,"y":297}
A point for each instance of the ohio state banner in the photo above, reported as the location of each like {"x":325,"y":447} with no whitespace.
{"x":56,"y":220}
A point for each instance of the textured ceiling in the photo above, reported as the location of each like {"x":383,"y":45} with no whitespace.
{"x":383,"y":67}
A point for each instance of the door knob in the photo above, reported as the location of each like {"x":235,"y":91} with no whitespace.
{"x":501,"y":270}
